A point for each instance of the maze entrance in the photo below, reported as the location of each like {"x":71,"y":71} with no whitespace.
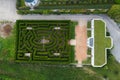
{"x":43,"y":40}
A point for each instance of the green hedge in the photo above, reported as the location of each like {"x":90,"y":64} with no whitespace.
{"x":64,"y":11}
{"x":26,"y":40}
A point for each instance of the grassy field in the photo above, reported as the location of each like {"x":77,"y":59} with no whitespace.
{"x":7,"y":47}
{"x":10,"y":70}
{"x":101,"y":42}
{"x":88,"y":34}
{"x":111,"y":71}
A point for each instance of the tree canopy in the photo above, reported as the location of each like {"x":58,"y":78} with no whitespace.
{"x":114,"y":12}
{"x":117,"y":1}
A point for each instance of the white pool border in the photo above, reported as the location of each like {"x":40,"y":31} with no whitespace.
{"x":92,"y":53}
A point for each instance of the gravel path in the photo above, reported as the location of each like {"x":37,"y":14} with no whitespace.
{"x":8,"y":12}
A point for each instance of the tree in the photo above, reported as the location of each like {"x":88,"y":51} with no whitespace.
{"x":114,"y":13}
{"x":117,"y":1}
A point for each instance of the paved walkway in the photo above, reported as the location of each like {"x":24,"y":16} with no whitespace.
{"x":8,"y":12}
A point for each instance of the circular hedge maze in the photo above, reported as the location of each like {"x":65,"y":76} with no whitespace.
{"x":43,"y":40}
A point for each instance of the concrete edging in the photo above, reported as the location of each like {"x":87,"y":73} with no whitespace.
{"x":92,"y":60}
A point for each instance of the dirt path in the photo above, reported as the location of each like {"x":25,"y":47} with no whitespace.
{"x":81,"y":41}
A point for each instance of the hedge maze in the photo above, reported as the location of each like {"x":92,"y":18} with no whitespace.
{"x":43,"y":40}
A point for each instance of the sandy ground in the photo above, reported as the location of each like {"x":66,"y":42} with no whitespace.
{"x":81,"y":41}
{"x":8,"y":12}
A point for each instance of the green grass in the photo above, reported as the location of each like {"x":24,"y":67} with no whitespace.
{"x":87,"y":61}
{"x":27,"y":71}
{"x":7,"y":47}
{"x":108,"y":42}
{"x":88,"y":34}
{"x":89,"y":24}
{"x":101,"y":42}
{"x":89,"y":51}
{"x":38,"y":72}
{"x":88,"y":31}
{"x":72,"y":30}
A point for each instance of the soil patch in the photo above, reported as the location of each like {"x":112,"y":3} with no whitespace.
{"x":5,"y":30}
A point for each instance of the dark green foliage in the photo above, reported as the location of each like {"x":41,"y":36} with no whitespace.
{"x":29,"y":41}
{"x":21,"y":71}
{"x":114,"y":13}
{"x":111,"y":69}
{"x":63,"y":11}
{"x":117,"y":1}
{"x":7,"y":47}
{"x":89,"y":33}
{"x":72,"y":30}
{"x":89,"y":24}
{"x":28,"y":71}
{"x":95,"y":6}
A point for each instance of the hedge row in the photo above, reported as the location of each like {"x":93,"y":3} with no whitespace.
{"x":75,"y":2}
{"x":58,"y":12}
{"x":28,"y":40}
{"x":64,"y":7}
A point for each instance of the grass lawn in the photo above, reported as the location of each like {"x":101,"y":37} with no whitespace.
{"x":111,"y":71}
{"x":7,"y":47}
{"x":101,"y":42}
{"x":89,"y":24}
